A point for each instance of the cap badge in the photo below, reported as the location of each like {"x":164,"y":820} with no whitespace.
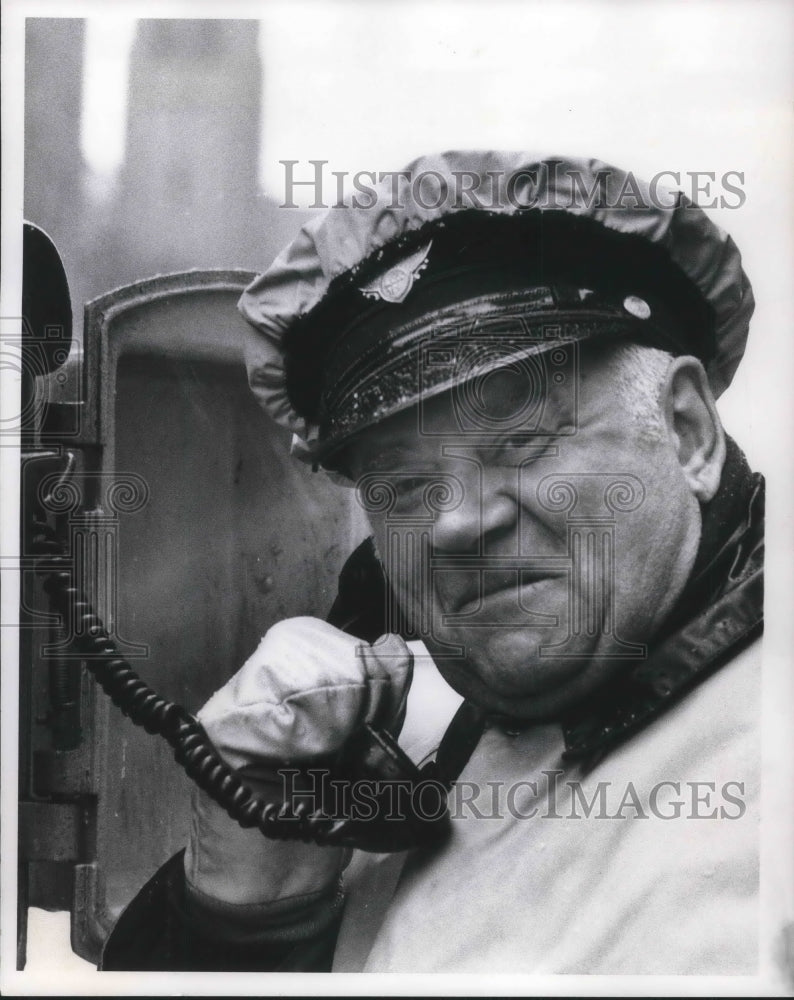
{"x":636,"y":306}
{"x":395,"y":283}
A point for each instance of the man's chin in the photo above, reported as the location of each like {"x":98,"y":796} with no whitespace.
{"x":523,"y":684}
{"x":539,"y":700}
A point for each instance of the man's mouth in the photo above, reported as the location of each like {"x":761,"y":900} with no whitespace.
{"x":492,"y":590}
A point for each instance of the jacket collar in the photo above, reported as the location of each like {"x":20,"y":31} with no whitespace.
{"x":720,"y":612}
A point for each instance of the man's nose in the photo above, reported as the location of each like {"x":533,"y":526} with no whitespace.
{"x":487,"y":511}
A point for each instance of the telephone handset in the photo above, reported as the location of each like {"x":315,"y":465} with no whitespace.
{"x":404,"y":807}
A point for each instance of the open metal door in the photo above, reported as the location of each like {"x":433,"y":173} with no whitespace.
{"x":193,"y":531}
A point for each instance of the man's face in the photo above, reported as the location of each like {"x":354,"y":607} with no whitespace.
{"x":533,"y":565}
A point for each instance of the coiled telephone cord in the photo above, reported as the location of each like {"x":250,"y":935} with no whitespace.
{"x":146,"y":708}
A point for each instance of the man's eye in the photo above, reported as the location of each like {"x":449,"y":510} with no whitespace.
{"x":515,"y":450}
{"x":525,"y":452}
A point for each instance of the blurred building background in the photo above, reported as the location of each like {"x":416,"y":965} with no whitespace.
{"x":187,"y":193}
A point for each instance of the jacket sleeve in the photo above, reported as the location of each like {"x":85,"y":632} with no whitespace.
{"x":168,"y":926}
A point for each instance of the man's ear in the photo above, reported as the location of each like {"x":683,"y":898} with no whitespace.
{"x":693,"y":426}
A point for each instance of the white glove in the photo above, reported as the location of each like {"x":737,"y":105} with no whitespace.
{"x":302,"y":693}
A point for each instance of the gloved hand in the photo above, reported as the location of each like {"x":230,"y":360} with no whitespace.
{"x":302,"y":693}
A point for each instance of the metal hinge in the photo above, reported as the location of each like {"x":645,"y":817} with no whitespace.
{"x":52,"y":831}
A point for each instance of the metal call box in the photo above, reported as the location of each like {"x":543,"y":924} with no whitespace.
{"x":191,"y":529}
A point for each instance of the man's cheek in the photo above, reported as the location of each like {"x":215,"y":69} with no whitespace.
{"x":413,"y":607}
